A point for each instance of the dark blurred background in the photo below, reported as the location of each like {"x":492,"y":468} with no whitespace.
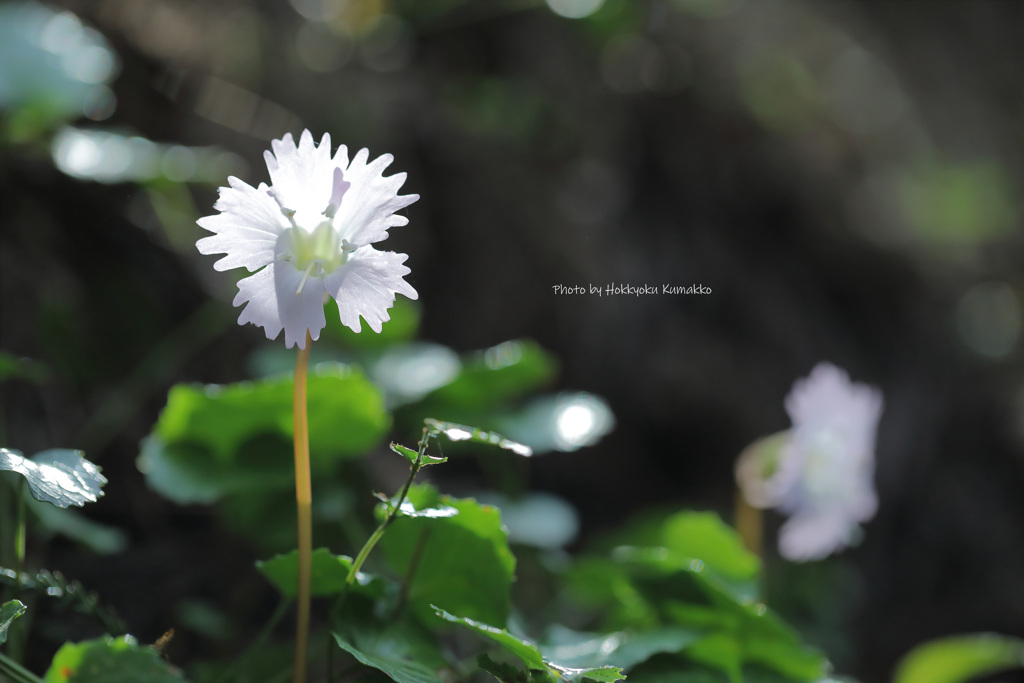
{"x":845,"y":177}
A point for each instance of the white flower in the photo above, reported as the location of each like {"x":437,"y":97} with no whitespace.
{"x":308,"y":236}
{"x":820,"y":472}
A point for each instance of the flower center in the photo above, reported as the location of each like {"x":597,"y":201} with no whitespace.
{"x":317,"y":253}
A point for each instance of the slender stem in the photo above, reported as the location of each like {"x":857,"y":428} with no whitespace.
{"x":357,"y":564}
{"x":16,"y":672}
{"x":19,"y":530}
{"x":304,"y":501}
{"x":748,"y":524}
{"x":17,"y":634}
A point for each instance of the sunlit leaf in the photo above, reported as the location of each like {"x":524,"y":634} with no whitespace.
{"x":346,"y":413}
{"x":457,"y":432}
{"x":411,"y":455}
{"x":110,"y":660}
{"x":328,"y":574}
{"x":214,"y":440}
{"x":60,"y":477}
{"x":529,"y":653}
{"x":646,"y":587}
{"x":9,"y":611}
{"x":455,"y":553}
{"x":624,"y":649}
{"x":502,"y":372}
{"x":958,"y":659}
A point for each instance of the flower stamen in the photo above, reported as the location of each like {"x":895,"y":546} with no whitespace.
{"x":305,"y":276}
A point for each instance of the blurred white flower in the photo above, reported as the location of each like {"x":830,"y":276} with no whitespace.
{"x":308,"y":236}
{"x":821,"y":471}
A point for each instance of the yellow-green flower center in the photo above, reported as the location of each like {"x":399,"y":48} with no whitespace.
{"x":316,"y":253}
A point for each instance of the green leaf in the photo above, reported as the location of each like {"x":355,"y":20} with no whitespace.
{"x":402,"y":327}
{"x":456,"y":554}
{"x":457,"y":432}
{"x":506,"y":673}
{"x":684,"y":540}
{"x":110,"y":660}
{"x":346,"y":413}
{"x":526,"y":651}
{"x":186,"y":473}
{"x":675,"y":669}
{"x":12,"y":366}
{"x":388,"y":655}
{"x":9,"y":611}
{"x":100,"y":538}
{"x":959,"y":658}
{"x":529,"y":654}
{"x":624,"y":649}
{"x":60,"y":477}
{"x":502,"y":372}
{"x":411,"y":455}
{"x":704,"y":536}
{"x":644,"y":587}
{"x":212,"y":440}
{"x":408,"y":453}
{"x":327,"y":574}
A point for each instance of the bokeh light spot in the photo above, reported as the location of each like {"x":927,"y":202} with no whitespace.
{"x":574,"y":9}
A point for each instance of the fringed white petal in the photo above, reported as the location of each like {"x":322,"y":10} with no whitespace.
{"x":366,"y":286}
{"x":368,"y":208}
{"x":302,"y":176}
{"x":246,"y":229}
{"x":272,"y":303}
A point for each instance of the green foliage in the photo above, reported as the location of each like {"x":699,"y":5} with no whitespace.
{"x":328,"y":574}
{"x":110,"y":660}
{"x":9,"y":611}
{"x":99,"y":538}
{"x":958,"y":659}
{"x":692,"y":572}
{"x":402,"y":327}
{"x":213,"y":440}
{"x":457,"y":432}
{"x":624,"y":649}
{"x":371,"y":624}
{"x":412,"y":456}
{"x":489,"y":379}
{"x":460,"y":562}
{"x":530,"y":655}
{"x":383,"y":654}
{"x":60,"y":477}
{"x":69,"y":595}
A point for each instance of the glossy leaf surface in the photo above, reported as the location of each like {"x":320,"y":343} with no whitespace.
{"x":110,"y":660}
{"x":9,"y":611}
{"x":212,"y":440}
{"x":530,"y":654}
{"x":455,"y":552}
{"x":61,"y":477}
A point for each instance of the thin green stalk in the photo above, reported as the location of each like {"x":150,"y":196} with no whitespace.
{"x":304,"y":502}
{"x":364,"y":552}
{"x":17,"y":632}
{"x":16,"y":672}
{"x":19,"y":529}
